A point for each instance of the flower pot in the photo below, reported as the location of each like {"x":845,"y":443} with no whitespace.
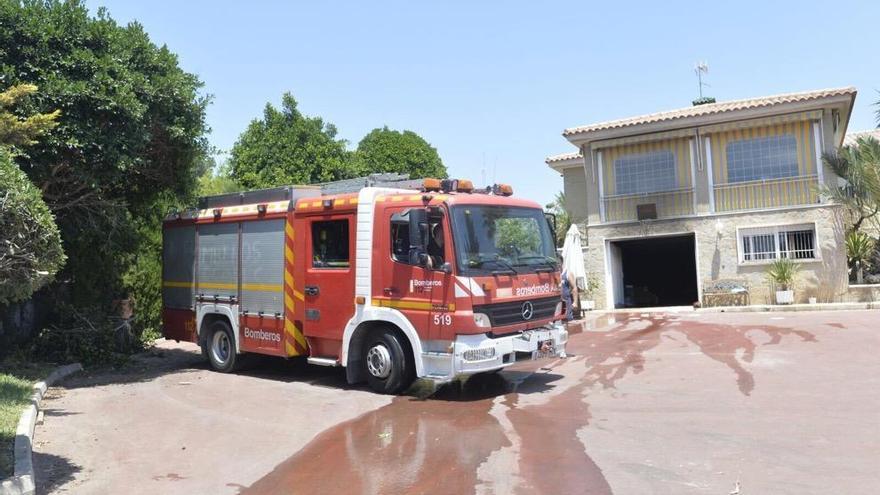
{"x":588,"y":305}
{"x":784,"y":296}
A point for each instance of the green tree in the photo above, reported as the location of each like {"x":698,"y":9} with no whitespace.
{"x":217,"y":179}
{"x":859,"y":165}
{"x":30,"y":244}
{"x":386,"y":150}
{"x":129,"y":138}
{"x":287,"y":147}
{"x":22,"y":131}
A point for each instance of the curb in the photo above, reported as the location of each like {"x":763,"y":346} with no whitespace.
{"x":755,"y":308}
{"x":22,"y":480}
{"x":768,"y":308}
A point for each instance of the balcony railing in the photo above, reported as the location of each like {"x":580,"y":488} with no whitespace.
{"x":771,"y":193}
{"x":675,"y":203}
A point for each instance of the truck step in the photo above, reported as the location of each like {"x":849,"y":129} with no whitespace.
{"x":323,"y":361}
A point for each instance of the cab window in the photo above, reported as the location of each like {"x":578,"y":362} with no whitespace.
{"x":400,"y":246}
{"x":330,"y":244}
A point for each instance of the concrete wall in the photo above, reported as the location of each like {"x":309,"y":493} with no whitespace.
{"x":718,"y":257}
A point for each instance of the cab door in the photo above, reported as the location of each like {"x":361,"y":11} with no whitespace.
{"x":402,"y":284}
{"x":328,"y":289}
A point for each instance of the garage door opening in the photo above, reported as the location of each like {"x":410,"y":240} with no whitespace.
{"x":660,"y":271}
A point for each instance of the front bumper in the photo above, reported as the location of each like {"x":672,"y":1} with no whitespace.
{"x":481,"y":353}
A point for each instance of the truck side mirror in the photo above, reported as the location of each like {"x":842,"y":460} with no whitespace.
{"x":418,"y":218}
{"x":551,"y":222}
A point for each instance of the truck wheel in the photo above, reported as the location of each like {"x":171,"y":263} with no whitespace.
{"x":220,"y":347}
{"x":390,"y":369}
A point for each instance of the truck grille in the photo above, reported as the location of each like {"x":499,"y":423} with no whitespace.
{"x":509,"y":313}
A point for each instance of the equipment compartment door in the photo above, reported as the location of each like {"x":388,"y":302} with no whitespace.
{"x":262,"y":289}
{"x":329,"y":281}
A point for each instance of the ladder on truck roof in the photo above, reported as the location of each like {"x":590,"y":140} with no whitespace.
{"x":292,"y":193}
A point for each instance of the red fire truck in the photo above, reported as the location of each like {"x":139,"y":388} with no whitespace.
{"x":392,"y":279}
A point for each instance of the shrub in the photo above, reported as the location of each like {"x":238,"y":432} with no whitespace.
{"x":859,"y":251}
{"x":30,"y":244}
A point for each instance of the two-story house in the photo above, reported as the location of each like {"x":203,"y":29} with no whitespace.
{"x":708,"y":195}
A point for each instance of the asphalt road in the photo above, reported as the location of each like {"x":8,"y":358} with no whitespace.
{"x":672,"y":403}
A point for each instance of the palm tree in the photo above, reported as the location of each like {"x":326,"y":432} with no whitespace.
{"x":563,"y":219}
{"x":859,"y":165}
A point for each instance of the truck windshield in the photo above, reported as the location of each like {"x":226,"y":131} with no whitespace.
{"x":502,"y":239}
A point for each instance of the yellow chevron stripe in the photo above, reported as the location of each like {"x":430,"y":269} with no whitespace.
{"x":294,"y":332}
{"x":298,"y":295}
{"x":288,"y":302}
{"x":288,"y":254}
{"x":291,"y":351}
{"x":288,"y":278}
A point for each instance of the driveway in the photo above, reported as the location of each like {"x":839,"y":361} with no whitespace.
{"x":646,"y":403}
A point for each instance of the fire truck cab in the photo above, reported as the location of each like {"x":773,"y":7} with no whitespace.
{"x":396,"y":280}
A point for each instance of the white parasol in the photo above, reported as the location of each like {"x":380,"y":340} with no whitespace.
{"x":573,"y":256}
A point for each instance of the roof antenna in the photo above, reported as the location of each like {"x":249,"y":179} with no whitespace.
{"x":700,"y":69}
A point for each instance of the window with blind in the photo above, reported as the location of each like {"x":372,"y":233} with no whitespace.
{"x":645,"y":173}
{"x":771,"y":157}
{"x":797,"y":242}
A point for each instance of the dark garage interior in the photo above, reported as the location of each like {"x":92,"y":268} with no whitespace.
{"x":659,"y":272}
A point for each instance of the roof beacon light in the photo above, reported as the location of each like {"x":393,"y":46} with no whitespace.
{"x":502,"y":189}
{"x":448,"y":185}
{"x":431,"y":185}
{"x":464,"y":185}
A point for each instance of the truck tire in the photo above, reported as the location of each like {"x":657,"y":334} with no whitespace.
{"x":220,"y":347}
{"x":389,"y":366}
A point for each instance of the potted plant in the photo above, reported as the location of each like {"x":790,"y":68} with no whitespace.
{"x":591,"y":284}
{"x":781,"y":274}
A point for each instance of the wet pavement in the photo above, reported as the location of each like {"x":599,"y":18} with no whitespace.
{"x":645,"y":403}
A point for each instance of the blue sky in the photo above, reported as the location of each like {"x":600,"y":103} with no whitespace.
{"x":492,"y":84}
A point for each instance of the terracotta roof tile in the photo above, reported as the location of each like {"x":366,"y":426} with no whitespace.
{"x":851,"y":137}
{"x":712,"y":108}
{"x":563,"y":157}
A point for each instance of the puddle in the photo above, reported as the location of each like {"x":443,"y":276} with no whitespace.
{"x":437,"y":445}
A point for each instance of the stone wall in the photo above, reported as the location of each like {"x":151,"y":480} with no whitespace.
{"x":863,"y":293}
{"x":717,"y":251}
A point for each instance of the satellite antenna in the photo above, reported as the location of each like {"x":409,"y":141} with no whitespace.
{"x":700,"y":69}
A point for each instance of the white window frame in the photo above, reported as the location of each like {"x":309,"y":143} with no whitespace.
{"x":775,"y":229}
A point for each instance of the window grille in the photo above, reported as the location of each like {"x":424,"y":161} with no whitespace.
{"x":645,"y":173}
{"x":772,"y":157}
{"x":796,"y":242}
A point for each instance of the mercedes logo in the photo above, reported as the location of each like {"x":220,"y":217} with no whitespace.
{"x":527,"y":310}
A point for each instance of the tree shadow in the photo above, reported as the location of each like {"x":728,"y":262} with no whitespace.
{"x":52,"y":471}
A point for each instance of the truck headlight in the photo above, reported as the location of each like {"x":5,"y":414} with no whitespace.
{"x":482,"y":320}
{"x":479,"y":354}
